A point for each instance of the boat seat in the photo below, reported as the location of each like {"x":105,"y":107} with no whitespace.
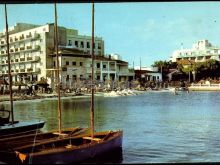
{"x":69,"y":146}
{"x":60,"y":134}
{"x":90,"y":138}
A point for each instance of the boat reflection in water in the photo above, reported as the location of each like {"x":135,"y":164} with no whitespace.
{"x":113,"y":156}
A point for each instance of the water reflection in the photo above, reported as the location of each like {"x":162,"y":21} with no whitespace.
{"x":113,"y":156}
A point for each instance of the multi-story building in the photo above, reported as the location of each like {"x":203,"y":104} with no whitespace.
{"x":76,"y":65}
{"x":32,"y":54}
{"x":201,"y":51}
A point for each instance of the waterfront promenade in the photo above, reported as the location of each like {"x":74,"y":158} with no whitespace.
{"x":204,"y":87}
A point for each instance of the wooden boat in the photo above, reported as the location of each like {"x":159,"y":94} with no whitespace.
{"x":8,"y":143}
{"x":12,"y":127}
{"x":71,"y":149}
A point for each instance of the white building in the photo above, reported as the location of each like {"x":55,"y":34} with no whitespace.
{"x":76,"y":65}
{"x":201,"y":51}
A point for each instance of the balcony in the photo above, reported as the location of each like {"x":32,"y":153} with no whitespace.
{"x":29,"y":58}
{"x":29,"y":47}
{"x":37,"y":47}
{"x":37,"y":70}
{"x":36,"y":58}
{"x":21,"y":37}
{"x":22,"y":59}
{"x":28,"y":36}
{"x":22,"y":70}
{"x":22,"y":48}
{"x":29,"y":69}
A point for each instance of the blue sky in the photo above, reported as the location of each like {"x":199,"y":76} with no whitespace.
{"x":149,"y":31}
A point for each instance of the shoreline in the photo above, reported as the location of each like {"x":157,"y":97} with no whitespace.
{"x":6,"y":98}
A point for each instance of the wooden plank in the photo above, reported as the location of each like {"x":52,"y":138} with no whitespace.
{"x":90,"y":138}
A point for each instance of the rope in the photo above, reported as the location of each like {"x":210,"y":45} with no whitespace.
{"x":30,"y":158}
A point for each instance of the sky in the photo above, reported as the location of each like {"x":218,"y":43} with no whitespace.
{"x":137,"y":31}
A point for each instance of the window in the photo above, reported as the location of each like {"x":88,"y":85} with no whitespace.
{"x":104,"y":66}
{"x":88,"y":45}
{"x":99,"y":45}
{"x":94,"y":45}
{"x":74,"y":63}
{"x":74,"y":77}
{"x":98,"y":65}
{"x":54,"y":63}
{"x":82,"y":44}
{"x":76,"y":43}
{"x":67,"y":77}
{"x":67,"y":62}
{"x":70,"y":43}
{"x":81,"y":63}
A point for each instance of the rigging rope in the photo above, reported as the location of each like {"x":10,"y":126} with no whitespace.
{"x":30,"y":158}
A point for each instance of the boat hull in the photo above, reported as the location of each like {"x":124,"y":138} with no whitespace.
{"x":74,"y":155}
{"x":25,"y":127}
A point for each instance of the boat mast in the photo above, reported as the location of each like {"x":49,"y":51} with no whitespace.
{"x":92,"y":76}
{"x":9,"y":66}
{"x":58,"y":70}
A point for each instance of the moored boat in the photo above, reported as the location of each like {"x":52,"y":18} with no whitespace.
{"x":71,"y":149}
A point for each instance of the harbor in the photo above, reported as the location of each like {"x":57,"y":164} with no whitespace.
{"x":71,"y":90}
{"x":171,"y":128}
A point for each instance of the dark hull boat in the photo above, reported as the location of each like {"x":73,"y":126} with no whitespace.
{"x":8,"y":128}
{"x":69,"y":150}
{"x":21,"y":127}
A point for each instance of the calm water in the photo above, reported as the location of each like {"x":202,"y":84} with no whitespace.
{"x":158,"y":126}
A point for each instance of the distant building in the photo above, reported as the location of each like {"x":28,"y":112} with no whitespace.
{"x":148,"y":73}
{"x":201,"y":51}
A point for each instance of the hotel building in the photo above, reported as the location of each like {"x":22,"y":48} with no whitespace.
{"x":201,"y":51}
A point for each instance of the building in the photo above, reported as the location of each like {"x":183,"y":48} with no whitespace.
{"x":148,"y":73}
{"x":201,"y":51}
{"x":76,"y":66}
{"x":32,"y":54}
